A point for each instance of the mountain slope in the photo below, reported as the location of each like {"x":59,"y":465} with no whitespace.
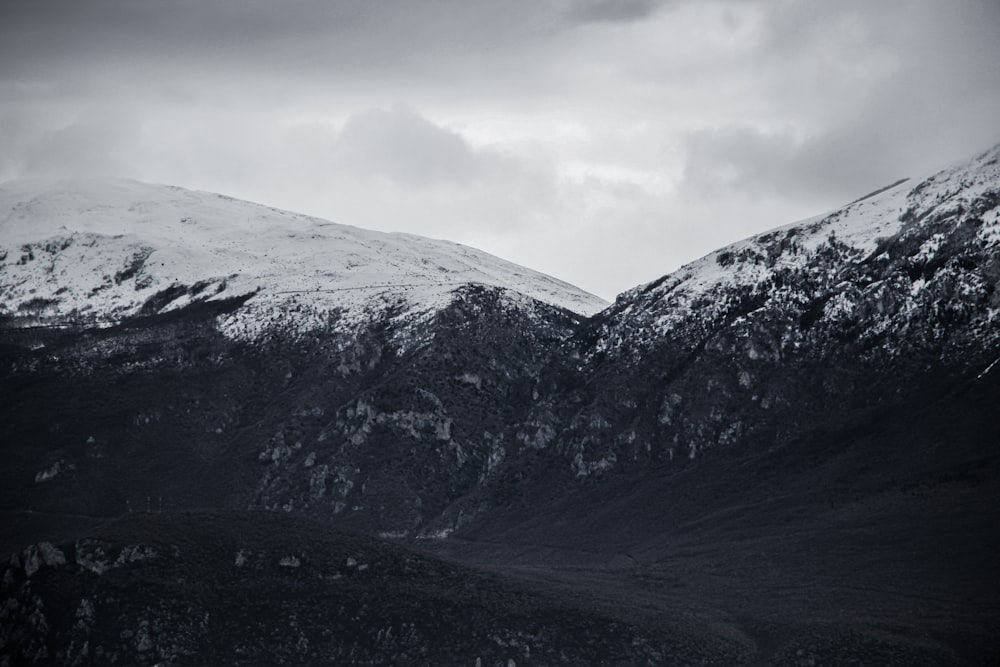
{"x":413,"y":410}
{"x":168,"y":343}
{"x":852,"y":310}
{"x":795,"y":435}
{"x":786,"y":450}
{"x":291,"y":591}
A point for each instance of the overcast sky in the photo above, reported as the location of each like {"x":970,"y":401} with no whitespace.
{"x":605,"y":142}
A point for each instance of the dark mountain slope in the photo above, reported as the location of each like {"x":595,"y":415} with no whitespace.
{"x":270,"y":588}
{"x":165,"y":412}
{"x":874,"y":539}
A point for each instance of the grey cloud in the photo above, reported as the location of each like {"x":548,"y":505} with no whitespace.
{"x":401,"y":145}
{"x":739,"y":157}
{"x":94,"y":144}
{"x":612,"y":11}
{"x":745,"y":161}
{"x":410,"y":153}
{"x":53,"y":38}
{"x":142,"y":48}
{"x":90,"y":148}
{"x":830,"y":168}
{"x":410,"y":168}
{"x":891,"y":98}
{"x":18,"y":130}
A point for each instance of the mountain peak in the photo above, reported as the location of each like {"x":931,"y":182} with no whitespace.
{"x":100,"y":250}
{"x":853,"y":235}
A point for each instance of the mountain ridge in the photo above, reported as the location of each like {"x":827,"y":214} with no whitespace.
{"x":886,"y":287}
{"x":792,"y":435}
{"x":111,"y":249}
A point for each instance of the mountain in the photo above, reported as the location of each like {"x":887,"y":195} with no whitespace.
{"x":855,"y":310}
{"x":203,"y":342}
{"x":96,"y":252}
{"x":783,"y":453}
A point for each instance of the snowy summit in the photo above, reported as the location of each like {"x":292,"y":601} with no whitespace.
{"x":97,"y":251}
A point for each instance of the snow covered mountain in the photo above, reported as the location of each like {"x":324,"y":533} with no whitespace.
{"x":859,"y":306}
{"x":794,"y":436}
{"x":386,"y":342}
{"x":97,"y":252}
{"x":908,"y":230}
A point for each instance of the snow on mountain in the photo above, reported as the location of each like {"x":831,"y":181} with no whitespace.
{"x":851,"y":234}
{"x":893,"y":294}
{"x":97,"y":251}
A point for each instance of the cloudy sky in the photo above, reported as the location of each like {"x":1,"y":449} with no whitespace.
{"x":606,"y":142}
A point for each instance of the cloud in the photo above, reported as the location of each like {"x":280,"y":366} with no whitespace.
{"x":96,"y":147}
{"x":393,"y":168}
{"x":92,"y":143}
{"x":333,"y":39}
{"x":401,"y":145}
{"x":611,"y":11}
{"x":738,"y":157}
{"x":756,"y":164}
{"x":863,"y":99}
